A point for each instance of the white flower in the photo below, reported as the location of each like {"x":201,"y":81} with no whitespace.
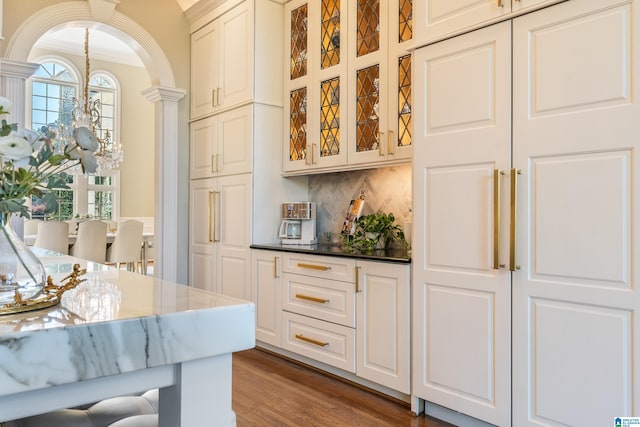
{"x":5,"y":105}
{"x":85,"y":138}
{"x":14,"y":147}
{"x":88,"y":160}
{"x":31,"y":136}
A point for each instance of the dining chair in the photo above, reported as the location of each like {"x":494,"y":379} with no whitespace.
{"x":91,"y":243}
{"x":53,"y":235}
{"x":127,"y":244}
{"x":31,"y":226}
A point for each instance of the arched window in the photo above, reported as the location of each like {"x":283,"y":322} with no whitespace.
{"x":53,"y":89}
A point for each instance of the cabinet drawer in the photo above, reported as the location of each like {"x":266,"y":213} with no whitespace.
{"x":322,"y":341}
{"x":323,"y":299}
{"x":324,"y":267}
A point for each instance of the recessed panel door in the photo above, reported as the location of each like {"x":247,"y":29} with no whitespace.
{"x":576,"y":329}
{"x":461,"y":294}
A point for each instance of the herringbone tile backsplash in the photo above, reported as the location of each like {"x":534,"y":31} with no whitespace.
{"x":385,"y":190}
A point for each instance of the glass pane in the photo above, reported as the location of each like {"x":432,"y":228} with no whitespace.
{"x":39,"y":102}
{"x":107,"y":98}
{"x":367,"y":98}
{"x":39,"y":118}
{"x":330,"y":117}
{"x":330,"y":33}
{"x":53,"y":104}
{"x":53,"y":91}
{"x":39,"y":89}
{"x":405,"y":30}
{"x":298,"y":124}
{"x":368,"y":35}
{"x":405,"y":126}
{"x":100,"y":204}
{"x":299,"y":42}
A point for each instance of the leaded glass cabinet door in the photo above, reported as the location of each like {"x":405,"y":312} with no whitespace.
{"x":297,"y":71}
{"x":380,"y":81}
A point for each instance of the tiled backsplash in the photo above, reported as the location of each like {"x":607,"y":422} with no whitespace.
{"x":385,"y":190}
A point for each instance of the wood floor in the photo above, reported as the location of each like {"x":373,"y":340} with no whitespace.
{"x":270,"y":391}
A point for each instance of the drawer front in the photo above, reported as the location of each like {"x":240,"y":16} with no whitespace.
{"x":324,"y":267}
{"x":323,"y":299}
{"x":322,"y":341}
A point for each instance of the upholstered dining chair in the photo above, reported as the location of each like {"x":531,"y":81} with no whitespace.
{"x":31,"y":226}
{"x":53,"y":235}
{"x":127,"y":244}
{"x":91,"y":243}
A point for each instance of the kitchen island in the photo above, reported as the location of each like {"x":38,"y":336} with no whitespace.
{"x":119,"y":333}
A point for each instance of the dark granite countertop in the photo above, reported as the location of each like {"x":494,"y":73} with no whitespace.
{"x":390,"y":255}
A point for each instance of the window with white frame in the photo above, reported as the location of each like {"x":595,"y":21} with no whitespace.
{"x":53,"y":89}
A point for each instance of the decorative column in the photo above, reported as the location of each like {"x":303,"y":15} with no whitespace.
{"x":166,"y":178}
{"x":13,"y":77}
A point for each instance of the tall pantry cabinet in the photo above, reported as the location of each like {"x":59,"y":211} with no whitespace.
{"x":526,"y":186}
{"x":235,"y":139}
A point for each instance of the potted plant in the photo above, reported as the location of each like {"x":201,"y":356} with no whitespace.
{"x":374,"y":231}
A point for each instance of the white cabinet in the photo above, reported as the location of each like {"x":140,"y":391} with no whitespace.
{"x":347,"y":85}
{"x":221,"y":62}
{"x":222,"y":144}
{"x":233,"y":46}
{"x":439,"y":19}
{"x":526,"y":279}
{"x":383,"y":324}
{"x":350,"y":314}
{"x":220,"y":235}
{"x":266,"y":271}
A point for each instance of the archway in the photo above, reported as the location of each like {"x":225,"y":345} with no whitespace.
{"x":162,"y":93}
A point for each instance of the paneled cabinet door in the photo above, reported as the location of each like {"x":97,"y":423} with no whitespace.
{"x":222,"y":144}
{"x":267,"y":295}
{"x":438,"y":19}
{"x":233,"y":227}
{"x":202,"y":246}
{"x":383,"y":324}
{"x":379,"y":81}
{"x":461,"y":295}
{"x":222,"y":62}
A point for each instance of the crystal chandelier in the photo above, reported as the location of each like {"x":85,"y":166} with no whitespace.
{"x":87,"y":112}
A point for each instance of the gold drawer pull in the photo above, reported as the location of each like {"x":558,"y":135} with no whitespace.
{"x":313,"y":266}
{"x":311,"y":340}
{"x":314,"y":299}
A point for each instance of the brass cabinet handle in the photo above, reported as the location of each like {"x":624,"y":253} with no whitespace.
{"x":389,"y":144}
{"x":358,"y":279}
{"x":214,"y":163}
{"x":313,"y":152}
{"x":380,"y":153}
{"x":210,"y":216}
{"x":218,"y":96}
{"x":313,"y":266}
{"x":213,"y":97}
{"x":311,"y":340}
{"x":216,"y":195}
{"x":496,"y":218}
{"x":275,"y":267}
{"x":312,"y":299}
{"x":500,"y":4}
{"x":513,"y":223}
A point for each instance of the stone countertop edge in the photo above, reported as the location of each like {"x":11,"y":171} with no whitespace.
{"x":388,"y":255}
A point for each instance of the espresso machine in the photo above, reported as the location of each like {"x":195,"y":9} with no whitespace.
{"x":298,"y":226}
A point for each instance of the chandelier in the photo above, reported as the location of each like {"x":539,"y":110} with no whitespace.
{"x":87,"y":112}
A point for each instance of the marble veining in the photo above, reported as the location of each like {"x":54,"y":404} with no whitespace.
{"x":143,"y":322}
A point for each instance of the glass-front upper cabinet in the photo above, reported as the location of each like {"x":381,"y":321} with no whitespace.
{"x":348,"y":83}
{"x":380,"y":81}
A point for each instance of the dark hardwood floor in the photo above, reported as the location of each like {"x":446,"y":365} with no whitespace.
{"x":271,"y":391}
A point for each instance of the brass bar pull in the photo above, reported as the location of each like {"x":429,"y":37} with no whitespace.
{"x":496,"y":218}
{"x":275,"y":267}
{"x":500,"y":4}
{"x":380,"y":134}
{"x":313,"y":153}
{"x":389,"y":144}
{"x":213,"y":97}
{"x":358,"y":279}
{"x":313,"y":266}
{"x":216,"y":202}
{"x":214,"y":163}
{"x":308,"y":154}
{"x":311,"y":340}
{"x":210,"y":216}
{"x":312,"y":299}
{"x":218,"y":96}
{"x":513,"y":223}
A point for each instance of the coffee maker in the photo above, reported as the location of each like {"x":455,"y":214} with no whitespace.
{"x":298,"y":226}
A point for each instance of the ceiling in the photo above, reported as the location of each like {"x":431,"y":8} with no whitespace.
{"x":102,"y":45}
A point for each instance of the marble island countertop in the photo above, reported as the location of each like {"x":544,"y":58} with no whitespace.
{"x":391,"y":255}
{"x":115,"y":323}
